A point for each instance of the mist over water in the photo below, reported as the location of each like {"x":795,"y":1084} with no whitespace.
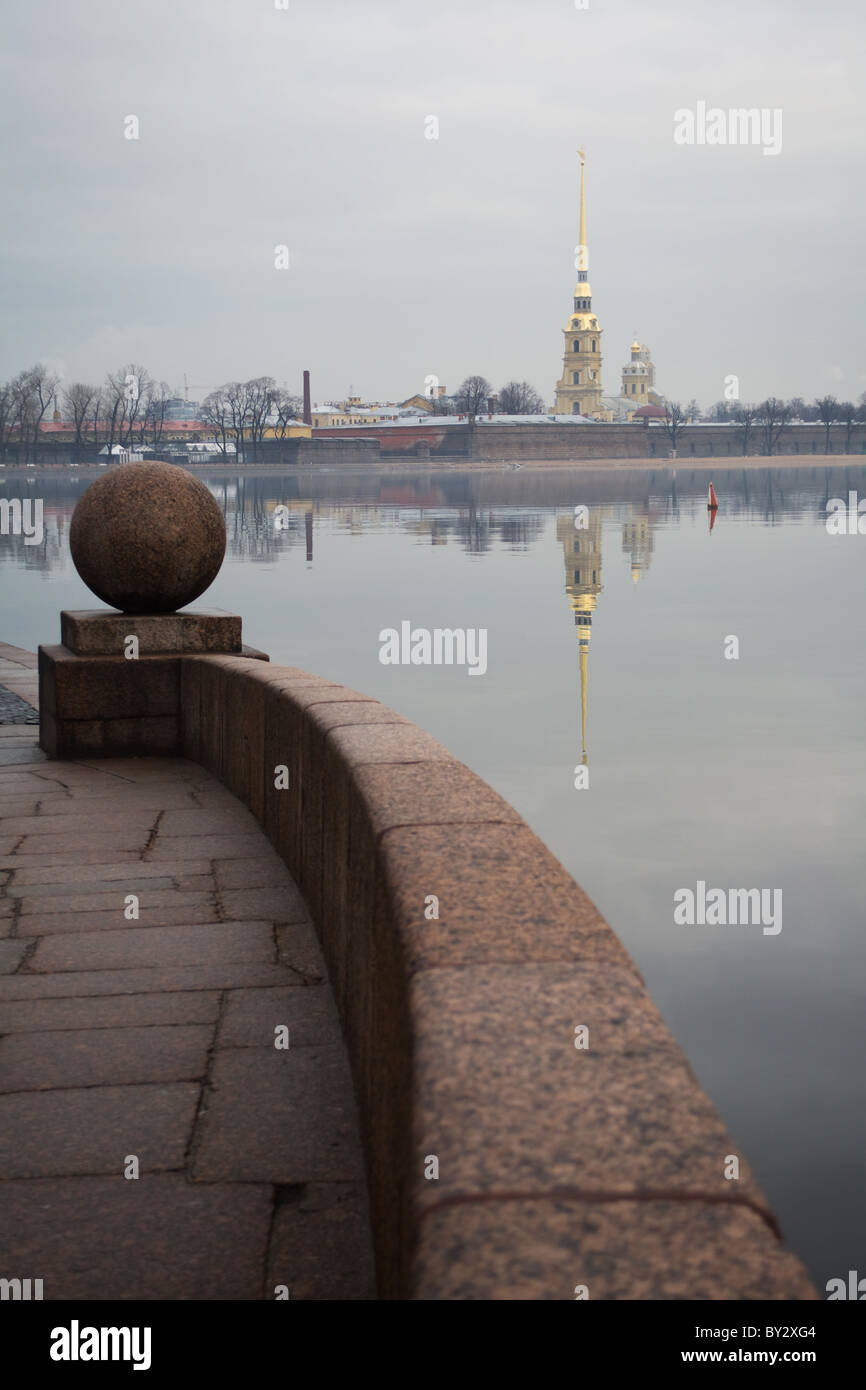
{"x":747,"y":773}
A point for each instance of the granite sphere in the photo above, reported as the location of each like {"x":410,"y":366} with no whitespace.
{"x":147,"y":537}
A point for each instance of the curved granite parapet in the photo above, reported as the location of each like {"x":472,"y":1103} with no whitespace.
{"x":563,"y":1172}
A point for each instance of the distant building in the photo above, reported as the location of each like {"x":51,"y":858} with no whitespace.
{"x":639,"y":374}
{"x":638,"y":379}
{"x":351,"y":412}
{"x":180,"y":409}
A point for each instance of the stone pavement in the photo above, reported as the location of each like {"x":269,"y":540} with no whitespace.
{"x":19,"y":682}
{"x":151,"y":1038}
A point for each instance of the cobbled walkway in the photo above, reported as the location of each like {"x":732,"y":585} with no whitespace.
{"x":18,"y":687}
{"x":152,"y":947}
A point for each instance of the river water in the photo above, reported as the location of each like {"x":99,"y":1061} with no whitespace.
{"x":739,"y":770}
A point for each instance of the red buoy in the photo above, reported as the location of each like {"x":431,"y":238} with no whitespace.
{"x":712,"y":500}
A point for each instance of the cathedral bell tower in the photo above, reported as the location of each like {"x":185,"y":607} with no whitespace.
{"x":578,"y":391}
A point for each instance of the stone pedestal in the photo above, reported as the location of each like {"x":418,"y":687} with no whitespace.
{"x":99,"y":696}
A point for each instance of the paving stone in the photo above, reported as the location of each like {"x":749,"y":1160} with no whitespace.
{"x":54,"y":861}
{"x":183,"y":915}
{"x":11,"y":954}
{"x":282,"y":1117}
{"x":193,"y":883}
{"x":23,"y":783}
{"x":88,"y":823}
{"x":78,"y":984}
{"x":50,"y":1133}
{"x":91,"y":876}
{"x":283,"y":904}
{"x":103,"y":1057}
{"x":17,"y":806}
{"x":123,"y":797}
{"x":119,"y":840}
{"x":206,"y":847}
{"x":113,"y":1011}
{"x":235,"y":873}
{"x":14,"y":756}
{"x":149,"y":770}
{"x":251,"y":1015}
{"x":320,"y":1245}
{"x":298,"y":947}
{"x":151,"y":892}
{"x":218,"y":942}
{"x":208,"y":822}
{"x":157,"y":1238}
{"x":105,"y":1038}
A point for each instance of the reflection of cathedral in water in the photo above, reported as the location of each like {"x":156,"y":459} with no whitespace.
{"x":582,"y":554}
{"x":582,"y":551}
{"x":638,"y":542}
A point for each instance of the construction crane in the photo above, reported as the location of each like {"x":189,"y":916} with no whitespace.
{"x":196,"y":386}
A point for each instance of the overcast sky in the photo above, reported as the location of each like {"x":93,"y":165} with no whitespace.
{"x":411,"y":256}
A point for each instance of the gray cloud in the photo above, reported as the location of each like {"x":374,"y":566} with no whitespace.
{"x":412,"y":256}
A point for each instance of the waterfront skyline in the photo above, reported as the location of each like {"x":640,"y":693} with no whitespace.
{"x":409,"y":255}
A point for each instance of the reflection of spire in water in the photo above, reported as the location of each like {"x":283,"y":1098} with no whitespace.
{"x":638,"y":542}
{"x":582,"y":553}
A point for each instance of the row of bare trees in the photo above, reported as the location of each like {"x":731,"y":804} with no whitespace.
{"x":824,"y":409}
{"x":129,"y":408}
{"x":474,"y":395}
{"x":241,"y":411}
{"x":762,"y":426}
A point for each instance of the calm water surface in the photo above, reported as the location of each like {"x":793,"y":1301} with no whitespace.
{"x":744,"y":773}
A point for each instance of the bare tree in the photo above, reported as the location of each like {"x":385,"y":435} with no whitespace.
{"x":127,"y":391}
{"x":261,"y":401}
{"x":773,"y":417}
{"x":32,"y":392}
{"x":519,"y":398}
{"x":848,"y":413}
{"x":7,"y":416}
{"x":472,"y":395}
{"x":827,"y":407}
{"x":673,"y":421}
{"x":217,"y":415}
{"x":693,"y":410}
{"x":78,"y":401}
{"x":156,"y":412}
{"x":95,"y":420}
{"x":721,"y":412}
{"x":288,"y":410}
{"x":745,"y":417}
{"x":238,"y":401}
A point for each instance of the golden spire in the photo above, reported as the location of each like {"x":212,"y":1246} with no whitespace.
{"x":582,"y":202}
